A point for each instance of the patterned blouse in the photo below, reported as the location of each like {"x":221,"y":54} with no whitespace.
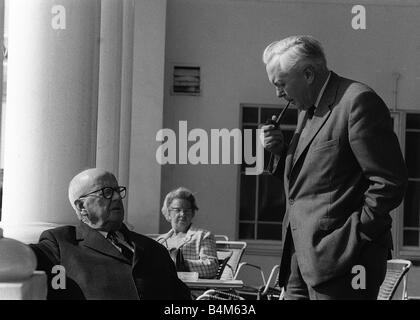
{"x":198,"y":248}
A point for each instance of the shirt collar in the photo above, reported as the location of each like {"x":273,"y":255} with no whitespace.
{"x":104,"y":233}
{"x":321,"y":92}
{"x":117,"y":233}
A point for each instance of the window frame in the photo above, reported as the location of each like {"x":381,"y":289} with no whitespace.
{"x":401,"y":251}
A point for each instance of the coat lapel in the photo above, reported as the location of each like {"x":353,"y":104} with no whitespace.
{"x":138,"y":253}
{"x":293,"y":144}
{"x":322,"y":112}
{"x":190,"y":234}
{"x":92,"y":239}
{"x":130,"y":238}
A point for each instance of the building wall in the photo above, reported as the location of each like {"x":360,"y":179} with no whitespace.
{"x":226,"y":39}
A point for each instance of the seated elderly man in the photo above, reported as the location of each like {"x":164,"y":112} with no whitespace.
{"x":101,"y":257}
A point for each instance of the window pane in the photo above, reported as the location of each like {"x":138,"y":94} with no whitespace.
{"x":411,"y":205}
{"x":246,"y":231}
{"x":248,"y":187}
{"x":269,"y":231}
{"x":412,"y":154}
{"x":411,"y":238}
{"x":272,"y":200}
{"x":250,"y":145}
{"x":413,"y":121}
{"x":250,"y":114}
{"x":290,"y":117}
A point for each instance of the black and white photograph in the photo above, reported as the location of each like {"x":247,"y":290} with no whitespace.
{"x":242,"y":152}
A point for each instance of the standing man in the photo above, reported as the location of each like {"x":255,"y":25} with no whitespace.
{"x":102,"y":259}
{"x":344,"y":173}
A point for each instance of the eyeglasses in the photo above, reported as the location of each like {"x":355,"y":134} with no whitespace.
{"x":108,"y":192}
{"x":178,"y":211}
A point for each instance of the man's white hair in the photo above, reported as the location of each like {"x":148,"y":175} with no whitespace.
{"x":302,"y":48}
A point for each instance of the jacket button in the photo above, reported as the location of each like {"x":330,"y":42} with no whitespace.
{"x":291,"y":201}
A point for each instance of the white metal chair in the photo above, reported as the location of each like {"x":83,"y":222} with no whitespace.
{"x":396,"y":271}
{"x":213,"y":294}
{"x":221,"y":237}
{"x":154,"y":236}
{"x":251,"y":289}
{"x":231,"y":268}
{"x":271,"y":290}
{"x":233,"y":252}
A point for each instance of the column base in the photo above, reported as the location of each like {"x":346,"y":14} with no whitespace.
{"x":34,"y":288}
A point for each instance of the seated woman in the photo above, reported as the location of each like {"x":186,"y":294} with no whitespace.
{"x":197,"y":246}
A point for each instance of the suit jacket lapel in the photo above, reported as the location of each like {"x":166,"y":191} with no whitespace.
{"x":138,"y":253}
{"x":293,"y":143}
{"x":322,"y":112}
{"x":94,"y":240}
{"x":130,"y":238}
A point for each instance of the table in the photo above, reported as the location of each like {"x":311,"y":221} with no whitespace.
{"x":214,"y":284}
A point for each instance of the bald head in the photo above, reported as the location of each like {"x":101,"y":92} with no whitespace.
{"x":97,"y":199}
{"x":88,"y":181}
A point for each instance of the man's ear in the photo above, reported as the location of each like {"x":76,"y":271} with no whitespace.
{"x":309,"y":74}
{"x":79,"y":205}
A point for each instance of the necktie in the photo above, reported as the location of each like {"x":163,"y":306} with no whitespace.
{"x":311,"y":112}
{"x":125,"y":250}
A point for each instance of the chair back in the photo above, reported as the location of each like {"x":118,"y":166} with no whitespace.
{"x":223,"y":258}
{"x":213,"y":294}
{"x":154,"y":236}
{"x":396,"y":271}
{"x":272,"y":290}
{"x":221,"y":237}
{"x":229,"y":253}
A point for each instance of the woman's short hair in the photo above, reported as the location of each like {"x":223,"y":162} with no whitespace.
{"x":300,"y":48}
{"x":179,"y":193}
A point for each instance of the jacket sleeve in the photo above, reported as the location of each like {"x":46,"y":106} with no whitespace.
{"x":46,"y":251}
{"x":378,"y":153}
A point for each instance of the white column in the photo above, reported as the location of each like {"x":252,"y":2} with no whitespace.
{"x":109,"y":98}
{"x":147,"y":114}
{"x":115,"y":88}
{"x":2,"y":31}
{"x":50,"y":132}
{"x":126,"y":96}
{"x":2,"y":18}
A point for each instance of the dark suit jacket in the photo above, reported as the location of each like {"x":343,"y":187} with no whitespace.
{"x":95,"y":269}
{"x":345,"y":180}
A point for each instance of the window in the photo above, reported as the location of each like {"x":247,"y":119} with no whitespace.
{"x":186,"y":80}
{"x":407,"y":242}
{"x":262,"y":198}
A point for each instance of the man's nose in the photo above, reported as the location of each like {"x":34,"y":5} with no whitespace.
{"x":116,"y":196}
